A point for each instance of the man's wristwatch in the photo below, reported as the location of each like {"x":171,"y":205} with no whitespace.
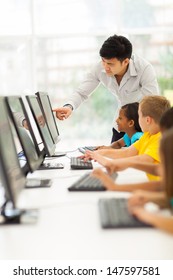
{"x":68,"y":105}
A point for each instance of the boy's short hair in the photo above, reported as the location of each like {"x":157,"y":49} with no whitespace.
{"x":154,"y":107}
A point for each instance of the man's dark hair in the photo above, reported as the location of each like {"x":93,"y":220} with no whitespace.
{"x":118,"y":47}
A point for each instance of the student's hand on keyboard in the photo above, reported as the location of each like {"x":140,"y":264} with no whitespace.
{"x":138,"y":198}
{"x":143,"y":215}
{"x":105,"y":151}
{"x":141,"y":197}
{"x":87,"y":156}
{"x":112,"y":165}
{"x":107,"y":163}
{"x":137,"y":205}
{"x":103,"y":147}
{"x":105,"y":178}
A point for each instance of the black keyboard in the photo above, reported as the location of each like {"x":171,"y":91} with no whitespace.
{"x":89,"y":183}
{"x":78,"y":163}
{"x":83,"y":149}
{"x":114,"y":214}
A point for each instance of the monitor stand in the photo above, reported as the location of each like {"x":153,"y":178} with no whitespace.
{"x":11,"y":216}
{"x":38,"y":183}
{"x":58,"y":154}
{"x":50,"y":165}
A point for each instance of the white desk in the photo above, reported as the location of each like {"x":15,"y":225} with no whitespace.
{"x":69,"y":226}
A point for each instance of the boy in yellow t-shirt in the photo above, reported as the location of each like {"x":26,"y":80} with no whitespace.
{"x":146,"y":149}
{"x":149,"y":145}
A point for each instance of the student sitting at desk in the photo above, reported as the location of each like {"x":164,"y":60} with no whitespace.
{"x":166,"y":122}
{"x":163,"y":199}
{"x":127,"y":122}
{"x":146,"y":149}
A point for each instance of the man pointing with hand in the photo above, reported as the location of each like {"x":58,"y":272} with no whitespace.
{"x":126,"y":75}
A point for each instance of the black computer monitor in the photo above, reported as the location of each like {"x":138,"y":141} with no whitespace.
{"x":34,"y":156}
{"x":42,"y":125}
{"x":45,"y":104}
{"x":12,"y":177}
{"x":46,"y":108}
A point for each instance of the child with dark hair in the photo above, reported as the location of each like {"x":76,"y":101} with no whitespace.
{"x":165,"y":123}
{"x":127,"y":122}
{"x":141,"y":194}
{"x":146,"y":149}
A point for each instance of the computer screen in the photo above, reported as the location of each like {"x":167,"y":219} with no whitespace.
{"x":12,"y":177}
{"x":41,"y":124}
{"x":33,"y":155}
{"x":45,"y":103}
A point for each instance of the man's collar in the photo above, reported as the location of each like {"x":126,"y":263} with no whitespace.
{"x":132,"y":69}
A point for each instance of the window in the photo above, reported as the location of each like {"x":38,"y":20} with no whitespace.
{"x":49,"y":45}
